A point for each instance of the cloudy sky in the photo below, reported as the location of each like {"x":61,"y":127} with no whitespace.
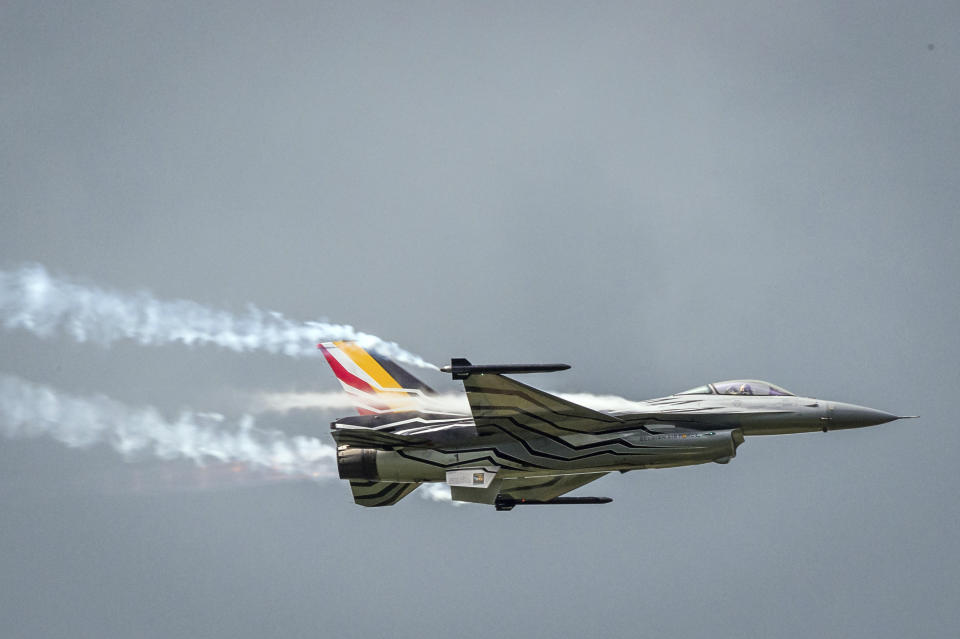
{"x":661,"y":194}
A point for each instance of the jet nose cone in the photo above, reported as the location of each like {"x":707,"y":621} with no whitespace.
{"x":853,"y":416}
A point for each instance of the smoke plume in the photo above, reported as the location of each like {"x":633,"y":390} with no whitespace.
{"x":440,"y":403}
{"x":32,"y":300}
{"x":32,"y":410}
{"x":278,"y":402}
{"x":437,"y":492}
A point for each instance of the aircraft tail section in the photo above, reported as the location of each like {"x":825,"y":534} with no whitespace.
{"x":377,"y":384}
{"x":375,"y":438}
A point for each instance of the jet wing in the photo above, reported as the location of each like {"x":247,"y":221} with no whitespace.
{"x":525,"y":488}
{"x":503,"y":405}
{"x":545,"y":488}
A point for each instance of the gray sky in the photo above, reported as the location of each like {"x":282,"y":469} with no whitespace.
{"x":661,"y":195}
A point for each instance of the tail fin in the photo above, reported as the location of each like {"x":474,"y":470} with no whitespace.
{"x":377,"y":384}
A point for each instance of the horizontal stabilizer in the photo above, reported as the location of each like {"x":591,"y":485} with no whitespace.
{"x":380,"y":493}
{"x":461,"y":368}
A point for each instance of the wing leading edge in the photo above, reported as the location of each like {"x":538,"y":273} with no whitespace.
{"x":524,"y":488}
{"x":501,"y":404}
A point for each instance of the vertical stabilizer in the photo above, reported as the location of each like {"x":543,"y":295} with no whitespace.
{"x":377,"y":383}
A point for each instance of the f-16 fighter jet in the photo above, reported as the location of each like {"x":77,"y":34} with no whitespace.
{"x":522,"y":446}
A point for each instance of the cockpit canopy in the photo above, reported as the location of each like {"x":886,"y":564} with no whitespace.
{"x":738,"y":387}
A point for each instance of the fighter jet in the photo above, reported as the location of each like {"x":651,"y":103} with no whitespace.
{"x":518,"y":445}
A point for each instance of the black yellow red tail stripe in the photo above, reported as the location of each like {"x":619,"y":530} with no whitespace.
{"x":377,"y":384}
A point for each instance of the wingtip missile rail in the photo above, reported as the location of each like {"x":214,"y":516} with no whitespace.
{"x":504,"y":502}
{"x":461,"y":368}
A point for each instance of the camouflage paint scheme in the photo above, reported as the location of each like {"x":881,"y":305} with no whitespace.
{"x":520,"y":445}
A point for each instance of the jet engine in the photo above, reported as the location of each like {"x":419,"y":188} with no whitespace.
{"x":357,"y":463}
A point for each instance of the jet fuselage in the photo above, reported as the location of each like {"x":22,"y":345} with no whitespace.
{"x":518,"y":444}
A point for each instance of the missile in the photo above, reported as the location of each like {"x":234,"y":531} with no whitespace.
{"x":504,"y":502}
{"x":461,"y":368}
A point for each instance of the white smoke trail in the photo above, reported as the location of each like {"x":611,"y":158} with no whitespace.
{"x":32,"y":410}
{"x":440,"y":403}
{"x":286,"y":402}
{"x":437,"y":492}
{"x":605,"y":403}
{"x":32,"y":300}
